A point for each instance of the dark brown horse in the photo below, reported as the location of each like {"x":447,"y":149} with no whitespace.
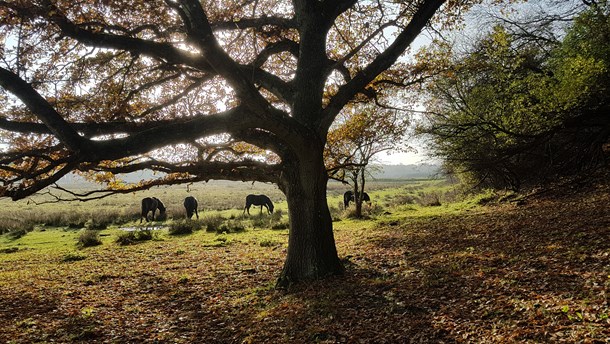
{"x":190,"y":204}
{"x":348,"y":196}
{"x":261,"y":200}
{"x":151,"y":204}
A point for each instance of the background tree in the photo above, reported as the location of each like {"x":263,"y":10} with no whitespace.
{"x":362,"y":134}
{"x":520,"y":109}
{"x":198,"y":90}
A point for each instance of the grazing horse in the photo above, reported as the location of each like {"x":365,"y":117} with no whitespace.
{"x":151,"y":204}
{"x":348,"y":196}
{"x":190,"y":204}
{"x":261,"y":200}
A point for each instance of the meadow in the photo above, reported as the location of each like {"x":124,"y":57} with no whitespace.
{"x":429,"y":263}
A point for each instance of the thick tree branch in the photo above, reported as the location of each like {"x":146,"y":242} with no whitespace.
{"x":383,"y":61}
{"x":24,"y":190}
{"x":43,"y":110}
{"x":200,"y":32}
{"x":164,"y":51}
{"x":255,"y":23}
{"x":202,"y":171}
{"x":276,"y":48}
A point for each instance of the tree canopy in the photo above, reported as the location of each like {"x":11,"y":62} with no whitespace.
{"x":197,"y":91}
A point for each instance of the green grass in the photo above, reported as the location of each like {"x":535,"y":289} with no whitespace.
{"x":217,"y":226}
{"x":221,"y":224}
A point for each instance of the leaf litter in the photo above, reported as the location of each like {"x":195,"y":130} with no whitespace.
{"x":533,"y":273}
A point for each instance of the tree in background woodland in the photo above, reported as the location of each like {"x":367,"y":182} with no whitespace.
{"x":522,"y":106}
{"x":364,"y":133}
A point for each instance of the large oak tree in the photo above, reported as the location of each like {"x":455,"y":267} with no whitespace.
{"x":198,"y":90}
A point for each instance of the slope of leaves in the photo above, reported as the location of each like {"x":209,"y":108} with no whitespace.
{"x":536,"y":272}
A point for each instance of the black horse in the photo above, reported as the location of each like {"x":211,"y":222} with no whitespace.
{"x":190,"y":204}
{"x":261,"y":200}
{"x":348,"y":196}
{"x":151,"y":204}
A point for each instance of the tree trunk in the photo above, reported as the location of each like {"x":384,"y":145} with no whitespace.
{"x":360,"y":193}
{"x":357,"y":198}
{"x":311,"y":244}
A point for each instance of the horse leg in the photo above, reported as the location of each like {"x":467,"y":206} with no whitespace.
{"x":197,"y":213}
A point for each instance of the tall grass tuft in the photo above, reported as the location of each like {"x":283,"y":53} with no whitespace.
{"x":16,"y":227}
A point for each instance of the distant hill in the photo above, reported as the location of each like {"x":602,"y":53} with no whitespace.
{"x":406,"y":171}
{"x":379,"y":172}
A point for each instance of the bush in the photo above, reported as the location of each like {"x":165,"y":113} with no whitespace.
{"x":336,"y":213}
{"x":89,"y":238}
{"x":236,"y":226}
{"x":212,"y":223}
{"x":430,"y":200}
{"x":73,"y":257}
{"x":183,"y":227}
{"x":269,"y":243}
{"x":97,"y":224}
{"x":281,"y":225}
{"x":133,"y":237}
{"x":17,"y":233}
{"x":402,"y":199}
{"x":265,"y":220}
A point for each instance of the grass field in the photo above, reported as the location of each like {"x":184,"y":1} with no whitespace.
{"x":428,"y":265}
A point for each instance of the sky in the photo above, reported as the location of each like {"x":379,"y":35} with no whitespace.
{"x":410,"y":158}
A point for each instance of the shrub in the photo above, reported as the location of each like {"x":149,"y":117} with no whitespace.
{"x":402,"y":199}
{"x":183,"y":227}
{"x":89,"y":238}
{"x":268,"y":243}
{"x":133,"y":237}
{"x":281,"y":225}
{"x":9,"y":250}
{"x":431,"y":199}
{"x":260,"y":221}
{"x":336,"y":213}
{"x":17,"y":233}
{"x":277,"y":215}
{"x":212,"y":223}
{"x":97,"y":224}
{"x":350,"y":213}
{"x":236,"y":226}
{"x":265,"y":220}
{"x":73,"y":257}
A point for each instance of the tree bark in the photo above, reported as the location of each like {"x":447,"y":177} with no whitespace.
{"x":311,"y":245}
{"x":358,"y":180}
{"x":357,"y":197}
